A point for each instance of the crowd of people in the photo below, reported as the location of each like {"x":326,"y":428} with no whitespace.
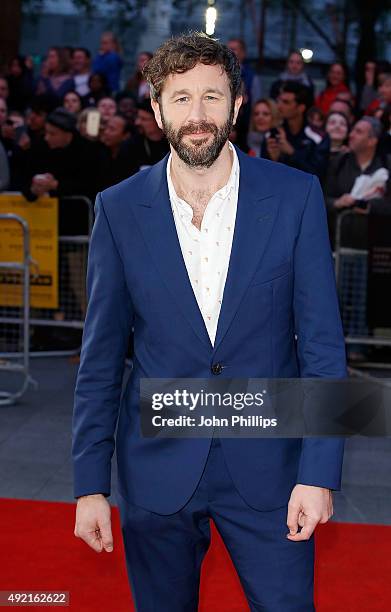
{"x":73,"y":129}
{"x":336,"y":135}
{"x":80,"y":127}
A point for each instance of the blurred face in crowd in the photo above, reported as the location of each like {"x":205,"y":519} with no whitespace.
{"x":127,"y":107}
{"x":4,"y":89}
{"x":237,"y":47}
{"x":57,"y":138}
{"x":336,"y":75}
{"x":342,"y":107}
{"x":361,"y":138}
{"x":3,"y":111}
{"x":15,"y":68}
{"x":107,"y":107}
{"x":262,"y":117}
{"x":80,"y":62}
{"x":36,"y":120}
{"x":197,"y":114}
{"x":370,"y":68}
{"x":316,"y":121}
{"x":53,"y":61}
{"x":114,"y":132}
{"x":384,"y":90}
{"x":14,"y":120}
{"x":107,"y":43}
{"x":337,"y":127}
{"x":96,"y":83}
{"x":381,"y":77}
{"x":146,"y":124}
{"x":72,"y":102}
{"x":295,"y":63}
{"x":288,"y":106}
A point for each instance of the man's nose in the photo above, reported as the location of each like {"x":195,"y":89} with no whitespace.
{"x":197,"y":110}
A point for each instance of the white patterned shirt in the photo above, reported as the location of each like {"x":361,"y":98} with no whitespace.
{"x":206,"y":252}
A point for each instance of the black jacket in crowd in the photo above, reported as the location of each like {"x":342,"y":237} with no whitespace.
{"x":76,"y":167}
{"x":342,"y":172}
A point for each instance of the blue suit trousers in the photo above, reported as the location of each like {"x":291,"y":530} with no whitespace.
{"x":164,"y":553}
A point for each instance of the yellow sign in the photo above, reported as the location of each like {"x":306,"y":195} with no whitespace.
{"x":42,"y":219}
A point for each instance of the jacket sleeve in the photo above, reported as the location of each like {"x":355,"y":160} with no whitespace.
{"x":310,"y":157}
{"x":318,"y":327}
{"x":99,"y":382}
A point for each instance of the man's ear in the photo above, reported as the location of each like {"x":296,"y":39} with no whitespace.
{"x":237,"y":105}
{"x":156,"y":109}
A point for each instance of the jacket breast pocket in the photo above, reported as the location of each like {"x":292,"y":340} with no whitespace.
{"x":267,"y":274}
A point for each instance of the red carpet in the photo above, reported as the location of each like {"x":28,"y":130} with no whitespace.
{"x":39,"y":552}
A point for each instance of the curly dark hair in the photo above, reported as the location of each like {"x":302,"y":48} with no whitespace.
{"x":181,"y":53}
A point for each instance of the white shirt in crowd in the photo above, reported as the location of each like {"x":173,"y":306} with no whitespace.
{"x":81,"y":83}
{"x":206,"y":252}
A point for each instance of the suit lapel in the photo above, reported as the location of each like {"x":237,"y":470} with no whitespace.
{"x":256,"y":214}
{"x":255,"y":217}
{"x":158,"y":227}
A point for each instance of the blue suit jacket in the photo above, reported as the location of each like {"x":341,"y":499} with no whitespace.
{"x":280,"y":284}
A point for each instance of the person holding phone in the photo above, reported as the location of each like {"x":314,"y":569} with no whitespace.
{"x":265,"y":117}
{"x":293,"y":144}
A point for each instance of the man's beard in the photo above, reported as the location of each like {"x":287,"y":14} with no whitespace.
{"x":201,"y":153}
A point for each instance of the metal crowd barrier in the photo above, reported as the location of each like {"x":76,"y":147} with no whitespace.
{"x":351,"y":271}
{"x":14,"y":321}
{"x":58,"y":333}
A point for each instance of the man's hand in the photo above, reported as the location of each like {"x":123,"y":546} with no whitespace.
{"x":93,"y":523}
{"x":52,"y":182}
{"x":273,"y":148}
{"x":308,"y":506}
{"x":362,"y":211}
{"x":38,"y":187}
{"x":285,"y":145}
{"x":43,"y":183}
{"x":345,"y":201}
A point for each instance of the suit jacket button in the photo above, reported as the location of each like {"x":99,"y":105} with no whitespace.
{"x":217,"y":368}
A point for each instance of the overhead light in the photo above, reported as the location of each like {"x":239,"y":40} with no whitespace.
{"x":210,"y":20}
{"x":307,"y":54}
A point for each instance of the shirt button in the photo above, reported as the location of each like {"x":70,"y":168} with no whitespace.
{"x":217,"y":368}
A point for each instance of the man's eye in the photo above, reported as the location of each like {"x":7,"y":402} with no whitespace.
{"x":211,"y":98}
{"x":184,"y":99}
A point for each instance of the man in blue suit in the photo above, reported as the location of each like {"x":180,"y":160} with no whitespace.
{"x":222,"y":266}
